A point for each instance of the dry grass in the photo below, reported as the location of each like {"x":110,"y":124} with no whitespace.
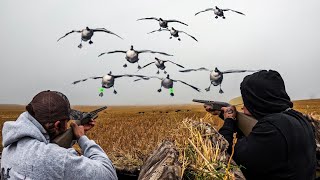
{"x":203,"y":154}
{"x":128,"y":136}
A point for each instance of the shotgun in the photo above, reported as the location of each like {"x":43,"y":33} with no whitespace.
{"x":65,"y":139}
{"x":245,"y":122}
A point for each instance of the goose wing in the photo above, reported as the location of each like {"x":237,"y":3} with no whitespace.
{"x":149,"y":51}
{"x":233,"y":11}
{"x":96,"y":77}
{"x":107,"y":31}
{"x":208,"y":9}
{"x":193,"y":87}
{"x":146,"y":65}
{"x":158,"y":30}
{"x":82,"y":80}
{"x":237,"y":71}
{"x":174,"y":63}
{"x":188,"y":35}
{"x":199,"y":69}
{"x":149,"y":18}
{"x":172,"y":20}
{"x":147,"y":78}
{"x":111,"y":52}
{"x":128,"y":75}
{"x":78,"y":31}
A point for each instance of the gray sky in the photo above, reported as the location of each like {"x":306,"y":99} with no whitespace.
{"x":275,"y":34}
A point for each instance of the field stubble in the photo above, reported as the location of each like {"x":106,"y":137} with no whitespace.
{"x":128,"y":134}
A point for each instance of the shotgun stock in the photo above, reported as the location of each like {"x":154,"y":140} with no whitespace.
{"x":65,"y":139}
{"x":245,"y":122}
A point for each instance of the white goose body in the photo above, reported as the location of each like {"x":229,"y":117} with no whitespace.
{"x":218,"y":12}
{"x":86,"y":34}
{"x":160,"y":64}
{"x":107,"y":81}
{"x":216,"y":78}
{"x":174,"y":32}
{"x":132,"y":56}
{"x":163,"y":23}
{"x":167,"y":83}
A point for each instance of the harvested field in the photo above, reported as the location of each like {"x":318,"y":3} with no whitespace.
{"x":129,"y":134}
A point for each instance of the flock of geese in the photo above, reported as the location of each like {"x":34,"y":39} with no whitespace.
{"x":132,"y":56}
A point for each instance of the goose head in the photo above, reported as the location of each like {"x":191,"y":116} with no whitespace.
{"x":131,"y":47}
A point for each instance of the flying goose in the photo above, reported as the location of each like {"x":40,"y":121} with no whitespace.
{"x":132,"y":56}
{"x":218,"y":12}
{"x":160,"y":64}
{"x":174,"y":33}
{"x":163,"y":23}
{"x":167,"y":83}
{"x":107,"y":80}
{"x":216,"y":76}
{"x":87,"y":33}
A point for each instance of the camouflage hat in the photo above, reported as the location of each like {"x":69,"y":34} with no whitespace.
{"x":49,"y":106}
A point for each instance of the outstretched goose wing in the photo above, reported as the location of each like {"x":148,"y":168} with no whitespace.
{"x":149,"y":18}
{"x":158,"y":30}
{"x":188,"y":35}
{"x":233,"y":11}
{"x":208,"y":9}
{"x":146,"y":65}
{"x":149,"y":51}
{"x":174,"y":63}
{"x":110,"y":52}
{"x":172,"y":20}
{"x":82,"y":80}
{"x":193,"y":87}
{"x":237,"y":71}
{"x":78,"y":31}
{"x":128,"y":75}
{"x":199,"y":69}
{"x":147,"y":78}
{"x":107,"y":31}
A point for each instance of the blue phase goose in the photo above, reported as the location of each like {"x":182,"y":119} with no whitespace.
{"x":163,"y":23}
{"x":216,"y":76}
{"x":167,"y":83}
{"x":132,"y":55}
{"x":173,"y":33}
{"x":160,"y":64}
{"x":87,"y":33}
{"x":219,"y":12}
{"x":107,"y":80}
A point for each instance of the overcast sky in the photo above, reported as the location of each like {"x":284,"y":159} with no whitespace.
{"x":283,"y":35}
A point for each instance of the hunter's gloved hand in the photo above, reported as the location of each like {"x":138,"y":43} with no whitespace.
{"x":209,"y":109}
{"x":229,"y":112}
